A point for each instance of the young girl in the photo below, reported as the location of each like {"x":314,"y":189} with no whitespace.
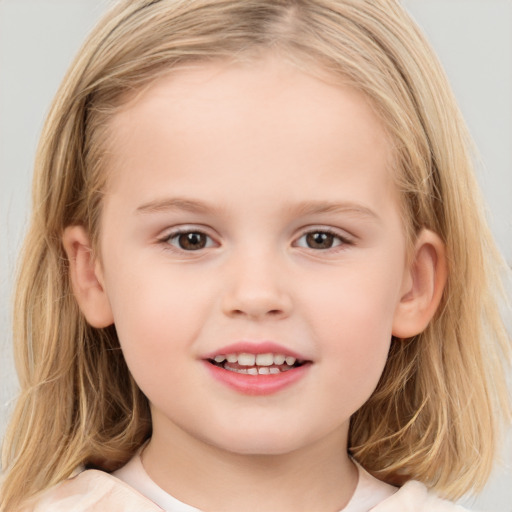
{"x":258,"y":275}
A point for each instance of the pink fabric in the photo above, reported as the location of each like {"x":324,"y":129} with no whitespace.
{"x":414,"y":497}
{"x":93,"y":491}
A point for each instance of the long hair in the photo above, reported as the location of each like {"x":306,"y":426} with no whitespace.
{"x":436,"y":412}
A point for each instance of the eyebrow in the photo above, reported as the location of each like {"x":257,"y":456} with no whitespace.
{"x":302,"y":209}
{"x":176,"y":203}
{"x":319,"y":207}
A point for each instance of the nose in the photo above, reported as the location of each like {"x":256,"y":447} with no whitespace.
{"x":256,"y":288}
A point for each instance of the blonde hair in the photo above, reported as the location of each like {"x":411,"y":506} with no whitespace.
{"x":436,"y":412}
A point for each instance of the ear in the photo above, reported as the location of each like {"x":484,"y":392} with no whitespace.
{"x":86,"y":277}
{"x":423,"y":285}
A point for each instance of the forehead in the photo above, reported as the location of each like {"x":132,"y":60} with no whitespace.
{"x":246,"y":118}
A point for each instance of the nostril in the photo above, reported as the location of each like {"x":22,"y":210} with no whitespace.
{"x":244,"y":301}
{"x":249,"y":313}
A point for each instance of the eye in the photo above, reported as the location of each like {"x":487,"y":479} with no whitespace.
{"x":321,"y":239}
{"x":189,"y":240}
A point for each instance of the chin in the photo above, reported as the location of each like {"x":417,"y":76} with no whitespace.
{"x":255,"y":442}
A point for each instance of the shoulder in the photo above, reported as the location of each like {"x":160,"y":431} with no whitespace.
{"x":92,"y":491}
{"x":415,"y":497}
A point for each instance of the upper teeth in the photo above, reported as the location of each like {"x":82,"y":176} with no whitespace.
{"x":245,"y":359}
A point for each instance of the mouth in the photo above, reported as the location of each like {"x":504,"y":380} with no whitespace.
{"x":256,"y":364}
{"x":257,"y":369}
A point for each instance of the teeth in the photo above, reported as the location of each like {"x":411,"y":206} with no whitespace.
{"x":265,"y":359}
{"x":239,"y":370}
{"x":246,"y":359}
{"x":279,"y":359}
{"x":255,"y":364}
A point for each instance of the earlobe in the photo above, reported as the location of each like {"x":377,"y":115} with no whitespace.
{"x":424,"y":281}
{"x":85,"y":277}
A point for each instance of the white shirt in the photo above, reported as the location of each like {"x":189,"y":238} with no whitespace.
{"x":97,"y":491}
{"x":368,"y":493}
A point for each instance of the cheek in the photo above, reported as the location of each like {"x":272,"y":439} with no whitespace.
{"x":156,"y":320}
{"x":356,"y":301}
{"x":353,"y":325}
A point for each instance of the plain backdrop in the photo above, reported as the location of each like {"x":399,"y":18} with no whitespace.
{"x":38,"y":39}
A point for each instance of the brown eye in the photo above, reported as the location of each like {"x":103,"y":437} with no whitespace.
{"x":190,"y":241}
{"x":320,"y":240}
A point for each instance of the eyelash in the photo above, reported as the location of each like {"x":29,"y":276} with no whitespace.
{"x":342,"y":241}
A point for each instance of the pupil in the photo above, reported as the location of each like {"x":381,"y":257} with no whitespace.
{"x":192,"y":241}
{"x":320,"y":240}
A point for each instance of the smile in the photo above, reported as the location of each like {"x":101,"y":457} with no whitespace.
{"x":257,"y":368}
{"x":256,"y":364}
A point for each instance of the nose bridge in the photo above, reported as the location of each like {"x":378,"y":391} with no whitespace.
{"x":256,"y":286}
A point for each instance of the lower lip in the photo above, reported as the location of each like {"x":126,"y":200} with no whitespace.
{"x":258,"y":385}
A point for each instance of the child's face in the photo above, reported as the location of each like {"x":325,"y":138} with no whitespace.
{"x":251,"y":209}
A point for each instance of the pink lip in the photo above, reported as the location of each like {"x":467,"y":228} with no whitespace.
{"x":257,"y":385}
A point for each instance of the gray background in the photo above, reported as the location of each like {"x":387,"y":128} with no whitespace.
{"x":38,"y":38}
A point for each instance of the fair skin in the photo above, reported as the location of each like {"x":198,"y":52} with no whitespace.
{"x":250,"y":204}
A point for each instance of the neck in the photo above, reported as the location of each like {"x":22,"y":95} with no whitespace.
{"x":318,"y":477}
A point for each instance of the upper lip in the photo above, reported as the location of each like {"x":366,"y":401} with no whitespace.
{"x":260,"y":347}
